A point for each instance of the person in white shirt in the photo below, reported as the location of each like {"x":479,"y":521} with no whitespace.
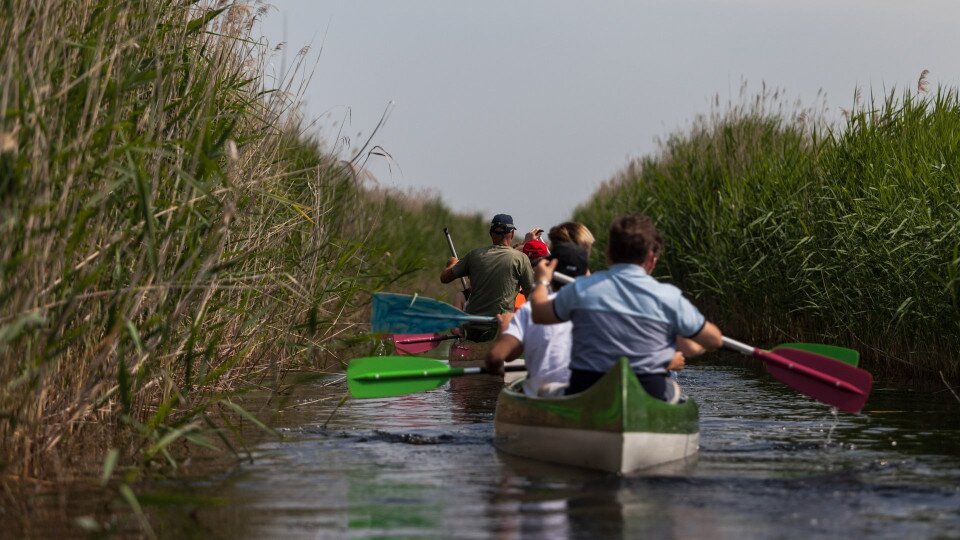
{"x":545,"y":348}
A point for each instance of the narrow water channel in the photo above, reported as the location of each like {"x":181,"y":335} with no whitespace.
{"x":772,"y":464}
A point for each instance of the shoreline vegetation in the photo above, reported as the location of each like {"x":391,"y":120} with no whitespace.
{"x":171,"y":238}
{"x":788,"y":228}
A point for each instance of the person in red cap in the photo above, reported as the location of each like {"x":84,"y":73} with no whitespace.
{"x":495,"y":272}
{"x":535,"y":249}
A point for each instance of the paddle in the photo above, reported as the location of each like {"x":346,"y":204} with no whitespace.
{"x":823,"y":378}
{"x":405,"y":314}
{"x":417,"y":343}
{"x":453,"y":251}
{"x":389,"y":376}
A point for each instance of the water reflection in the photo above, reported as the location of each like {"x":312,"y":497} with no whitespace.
{"x":473,"y":398}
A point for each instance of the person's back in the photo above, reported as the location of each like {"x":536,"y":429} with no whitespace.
{"x":496,"y":272}
{"x":545,"y":348}
{"x":546,"y":351}
{"x":623,"y":312}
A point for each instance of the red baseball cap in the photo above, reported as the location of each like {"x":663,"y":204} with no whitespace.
{"x":535,"y":249}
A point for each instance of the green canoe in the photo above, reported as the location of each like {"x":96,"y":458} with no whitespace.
{"x":612,"y":426}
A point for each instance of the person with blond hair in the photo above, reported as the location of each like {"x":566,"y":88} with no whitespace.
{"x":572,"y":232}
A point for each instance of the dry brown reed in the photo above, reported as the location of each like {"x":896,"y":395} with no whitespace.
{"x":167,"y":232}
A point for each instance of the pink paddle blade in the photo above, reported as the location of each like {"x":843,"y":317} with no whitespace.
{"x":824,"y":379}
{"x":417,"y":343}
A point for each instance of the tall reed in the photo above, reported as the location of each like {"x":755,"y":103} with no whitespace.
{"x":168,"y":234}
{"x":787,"y":228}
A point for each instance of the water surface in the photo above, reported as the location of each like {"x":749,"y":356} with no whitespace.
{"x":772,"y":464}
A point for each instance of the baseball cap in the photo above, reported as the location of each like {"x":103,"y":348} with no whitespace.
{"x":535,"y":249}
{"x":571,"y":259}
{"x":502,"y":223}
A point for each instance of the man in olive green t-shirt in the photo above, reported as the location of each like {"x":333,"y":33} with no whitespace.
{"x":495,"y":272}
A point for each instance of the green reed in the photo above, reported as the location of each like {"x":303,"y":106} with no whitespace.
{"x":787,"y":228}
{"x":168,"y":236}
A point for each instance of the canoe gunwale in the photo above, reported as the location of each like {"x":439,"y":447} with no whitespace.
{"x":617,"y":402}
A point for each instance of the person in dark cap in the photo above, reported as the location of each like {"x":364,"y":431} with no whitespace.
{"x":545,"y":348}
{"x":495,"y":271}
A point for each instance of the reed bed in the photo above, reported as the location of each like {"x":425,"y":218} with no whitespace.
{"x":788,"y":228}
{"x":169,"y":236}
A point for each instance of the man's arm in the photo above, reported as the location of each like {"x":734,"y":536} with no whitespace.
{"x":697,"y":335}
{"x":447,"y":275}
{"x":689,"y":347}
{"x":507,"y":347}
{"x":709,"y":337}
{"x":540,"y":303}
{"x":525,"y":279}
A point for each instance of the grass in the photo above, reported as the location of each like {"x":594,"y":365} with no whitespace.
{"x":170,"y":236}
{"x":787,"y":228}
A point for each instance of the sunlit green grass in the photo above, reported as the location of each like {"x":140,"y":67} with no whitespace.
{"x":785,"y":228}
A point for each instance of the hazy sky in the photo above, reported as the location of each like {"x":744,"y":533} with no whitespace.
{"x":525,"y":107}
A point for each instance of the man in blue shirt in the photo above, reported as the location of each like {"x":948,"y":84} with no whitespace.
{"x":623,"y":312}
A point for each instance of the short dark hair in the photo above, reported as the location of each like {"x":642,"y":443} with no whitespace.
{"x":631,"y":237}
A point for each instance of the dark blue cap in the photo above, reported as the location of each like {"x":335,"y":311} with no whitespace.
{"x":502,"y":222}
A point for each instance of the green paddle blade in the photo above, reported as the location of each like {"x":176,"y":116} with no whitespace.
{"x":388,"y":376}
{"x":843,"y":354}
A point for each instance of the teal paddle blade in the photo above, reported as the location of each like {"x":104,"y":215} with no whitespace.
{"x":843,"y":354}
{"x":388,"y":376}
{"x":405,"y":314}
